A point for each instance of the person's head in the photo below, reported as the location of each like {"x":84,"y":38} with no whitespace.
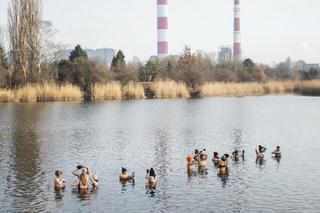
{"x":236,"y":152}
{"x":189,"y":159}
{"x":223,"y":158}
{"x":227,"y":156}
{"x":123,"y":170}
{"x":58,"y":173}
{"x":278,"y":147}
{"x":215,"y":154}
{"x":95,"y":178}
{"x":152,"y":173}
{"x":84,"y":171}
{"x":196,"y":151}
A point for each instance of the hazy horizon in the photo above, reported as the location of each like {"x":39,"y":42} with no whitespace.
{"x":270,"y":31}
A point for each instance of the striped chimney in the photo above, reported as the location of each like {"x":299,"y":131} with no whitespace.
{"x":162,"y":26}
{"x":236,"y":31}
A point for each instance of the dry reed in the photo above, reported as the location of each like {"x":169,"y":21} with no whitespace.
{"x":108,"y":91}
{"x":169,"y":89}
{"x":42,"y":92}
{"x":6,"y":96}
{"x":247,"y":89}
{"x":133,"y":91}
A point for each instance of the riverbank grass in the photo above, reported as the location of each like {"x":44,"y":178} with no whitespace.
{"x":169,"y":89}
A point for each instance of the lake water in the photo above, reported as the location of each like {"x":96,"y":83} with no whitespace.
{"x":38,"y":138}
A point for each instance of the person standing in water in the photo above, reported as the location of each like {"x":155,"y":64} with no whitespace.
{"x":189,"y":164}
{"x":223,"y":166}
{"x":216,"y":158}
{"x":59,"y":182}
{"x":152,"y":179}
{"x":202,"y":166}
{"x":125,"y":176}
{"x":83,"y":178}
{"x":236,"y":155}
{"x":277,"y":152}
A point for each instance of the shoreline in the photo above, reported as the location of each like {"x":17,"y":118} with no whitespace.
{"x":156,"y":90}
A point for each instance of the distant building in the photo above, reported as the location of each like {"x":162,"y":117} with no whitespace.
{"x":103,"y":55}
{"x":307,"y":67}
{"x":224,"y":54}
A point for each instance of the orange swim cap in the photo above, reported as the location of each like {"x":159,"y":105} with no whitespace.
{"x":189,"y":158}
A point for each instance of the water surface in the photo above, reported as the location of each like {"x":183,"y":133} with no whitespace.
{"x":38,"y":138}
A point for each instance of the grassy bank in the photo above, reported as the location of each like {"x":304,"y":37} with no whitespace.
{"x":113,"y":90}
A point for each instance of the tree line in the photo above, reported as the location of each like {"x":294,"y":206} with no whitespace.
{"x":30,"y":59}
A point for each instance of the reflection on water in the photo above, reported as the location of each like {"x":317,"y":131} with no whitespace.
{"x":37,"y":139}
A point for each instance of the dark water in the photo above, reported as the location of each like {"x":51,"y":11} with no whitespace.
{"x":37,"y":139}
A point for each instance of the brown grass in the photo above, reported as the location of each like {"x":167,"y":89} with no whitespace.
{"x":6,"y":96}
{"x":169,"y":89}
{"x":109,"y":91}
{"x":42,"y":92}
{"x":248,"y":89}
{"x":161,"y":89}
{"x":133,"y":91}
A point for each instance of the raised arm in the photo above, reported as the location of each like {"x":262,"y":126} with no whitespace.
{"x":75,"y":173}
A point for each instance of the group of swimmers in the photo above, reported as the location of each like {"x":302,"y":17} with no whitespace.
{"x":200,"y":159}
{"x":84,"y":176}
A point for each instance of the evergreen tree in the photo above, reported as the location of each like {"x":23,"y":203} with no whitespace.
{"x":118,"y":63}
{"x":78,"y":52}
{"x":248,"y":64}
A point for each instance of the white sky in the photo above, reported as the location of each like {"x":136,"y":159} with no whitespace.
{"x":271,"y":29}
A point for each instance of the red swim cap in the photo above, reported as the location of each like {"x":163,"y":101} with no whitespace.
{"x":189,"y":158}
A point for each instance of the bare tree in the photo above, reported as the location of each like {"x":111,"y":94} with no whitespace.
{"x":24,"y":26}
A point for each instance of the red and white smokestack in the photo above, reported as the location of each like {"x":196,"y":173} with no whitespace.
{"x":236,"y":31}
{"x":162,"y":25}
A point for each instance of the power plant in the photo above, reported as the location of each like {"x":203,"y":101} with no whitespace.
{"x":236,"y":32}
{"x":162,"y":27}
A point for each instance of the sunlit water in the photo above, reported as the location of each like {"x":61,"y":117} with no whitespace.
{"x":36,"y":139}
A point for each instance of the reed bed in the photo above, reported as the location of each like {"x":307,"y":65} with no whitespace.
{"x":6,"y":96}
{"x":108,"y":91}
{"x":42,"y":93}
{"x":53,"y":92}
{"x":231,"y":89}
{"x":133,"y":91}
{"x":308,"y":87}
{"x":248,"y":89}
{"x":169,"y":89}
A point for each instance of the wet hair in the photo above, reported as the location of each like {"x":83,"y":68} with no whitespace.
{"x":215,"y":154}
{"x":57,"y":173}
{"x":236,"y":152}
{"x":278,"y":147}
{"x":196,"y":151}
{"x":123,"y":170}
{"x":152,"y":173}
{"x":226,"y":155}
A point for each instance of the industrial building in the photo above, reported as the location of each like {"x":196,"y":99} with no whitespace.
{"x":224,"y":54}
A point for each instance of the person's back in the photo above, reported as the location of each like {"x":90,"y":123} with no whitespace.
{"x":223,"y":165}
{"x":152,"y":178}
{"x":277,"y":152}
{"x":84,"y":181}
{"x":216,"y":158}
{"x":189,"y":163}
{"x":125,"y":176}
{"x":58,"y":180}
